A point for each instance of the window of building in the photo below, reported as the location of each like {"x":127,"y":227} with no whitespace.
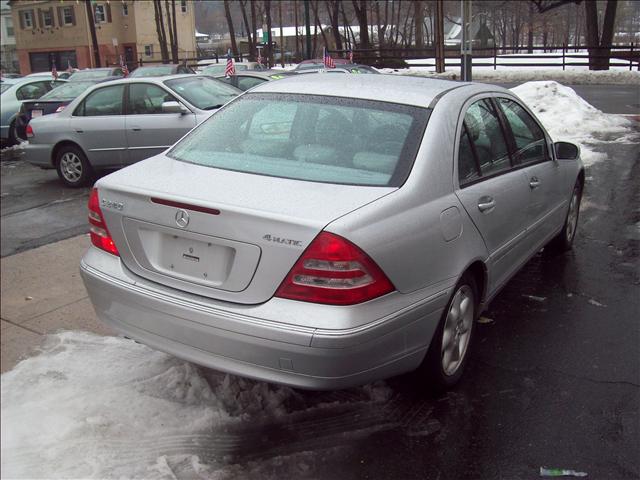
{"x":67,"y":15}
{"x":9,"y":24}
{"x":27,"y":19}
{"x":47,"y":18}
{"x":101,"y":15}
{"x":125,"y":10}
{"x":148,"y":50}
{"x":183,"y":6}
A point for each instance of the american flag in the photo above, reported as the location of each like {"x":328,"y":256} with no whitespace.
{"x":54,"y":71}
{"x":230,"y":70}
{"x":123,"y":65}
{"x":328,"y":61}
{"x":260,"y":56}
{"x":350,"y":56}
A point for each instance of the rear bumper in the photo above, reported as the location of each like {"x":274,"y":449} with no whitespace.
{"x":39,"y":154}
{"x":228,"y":337}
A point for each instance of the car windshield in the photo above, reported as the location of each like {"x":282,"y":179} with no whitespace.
{"x":203,"y":92}
{"x":90,"y":75}
{"x":156,"y":71}
{"x":310,"y":137}
{"x":68,"y":91}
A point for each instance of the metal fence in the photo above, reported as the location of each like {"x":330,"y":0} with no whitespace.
{"x":556,"y":56}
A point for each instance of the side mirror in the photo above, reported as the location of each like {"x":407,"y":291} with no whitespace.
{"x":566,"y":151}
{"x":174,"y":107}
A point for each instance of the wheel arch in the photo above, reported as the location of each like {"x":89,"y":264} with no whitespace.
{"x":59,"y":146}
{"x":478,"y":270}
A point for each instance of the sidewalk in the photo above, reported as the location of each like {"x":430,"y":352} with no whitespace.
{"x":41,"y":293}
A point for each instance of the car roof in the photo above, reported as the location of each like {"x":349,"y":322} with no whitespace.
{"x":418,"y":91}
{"x":267,"y":74}
{"x":159,"y":79}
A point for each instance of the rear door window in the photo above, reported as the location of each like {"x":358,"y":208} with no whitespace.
{"x":104,"y":101}
{"x":245,"y":83}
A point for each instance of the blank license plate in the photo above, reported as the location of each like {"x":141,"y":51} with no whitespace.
{"x":36,"y":113}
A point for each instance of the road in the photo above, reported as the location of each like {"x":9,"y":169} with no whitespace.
{"x":553,"y":381}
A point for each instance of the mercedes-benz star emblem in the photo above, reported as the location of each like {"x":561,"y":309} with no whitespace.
{"x":182,"y":218}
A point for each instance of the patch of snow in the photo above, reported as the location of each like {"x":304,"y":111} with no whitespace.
{"x":94,"y":407}
{"x":567,"y":116}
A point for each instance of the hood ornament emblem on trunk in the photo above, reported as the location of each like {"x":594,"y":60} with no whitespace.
{"x":182,"y":218}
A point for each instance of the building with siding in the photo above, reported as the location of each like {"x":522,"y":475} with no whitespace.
{"x":8,"y":55}
{"x":57,"y":31}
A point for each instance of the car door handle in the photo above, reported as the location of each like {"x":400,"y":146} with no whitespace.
{"x":78,"y":130}
{"x":534,"y":183}
{"x":486,"y":204}
{"x":136,"y":129}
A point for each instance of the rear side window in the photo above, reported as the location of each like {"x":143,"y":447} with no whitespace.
{"x":101,"y":102}
{"x":530,"y":143}
{"x":308,"y":137}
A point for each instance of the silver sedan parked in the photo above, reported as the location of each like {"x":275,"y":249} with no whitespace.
{"x":121,"y":122}
{"x":324,"y":231}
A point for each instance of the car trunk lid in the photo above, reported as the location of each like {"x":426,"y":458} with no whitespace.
{"x":222,"y":234}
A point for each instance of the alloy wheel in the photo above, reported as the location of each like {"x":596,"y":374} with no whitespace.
{"x":457,"y":330}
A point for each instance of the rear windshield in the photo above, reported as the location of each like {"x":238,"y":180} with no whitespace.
{"x":159,"y":71}
{"x":68,"y":91}
{"x":221,"y":67}
{"x":203,"y":92}
{"x":310,"y":137}
{"x":90,"y":75}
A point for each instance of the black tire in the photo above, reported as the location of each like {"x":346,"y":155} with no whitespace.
{"x":73,"y":167}
{"x":13,"y":134}
{"x":564,"y":240}
{"x":433,"y":370}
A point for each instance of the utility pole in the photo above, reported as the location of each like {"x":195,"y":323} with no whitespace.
{"x":307,"y":22}
{"x":466,"y":43}
{"x":92,"y":30}
{"x":439,"y":36}
{"x":281,"y":35}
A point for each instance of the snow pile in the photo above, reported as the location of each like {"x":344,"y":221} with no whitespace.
{"x":567,"y":116}
{"x":95,"y":407}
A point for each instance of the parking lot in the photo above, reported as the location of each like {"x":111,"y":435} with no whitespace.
{"x":554,"y":379}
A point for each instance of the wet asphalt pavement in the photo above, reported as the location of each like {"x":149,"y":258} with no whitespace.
{"x":553,"y":381}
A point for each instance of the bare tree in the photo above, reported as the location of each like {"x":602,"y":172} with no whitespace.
{"x":418,"y":13}
{"x":160,"y":30}
{"x":267,"y":8}
{"x":314,"y":7}
{"x":251,"y":34}
{"x":360,"y":8}
{"x":92,"y":29}
{"x":232,"y":33}
{"x":599,"y":58}
{"x":173,"y":34}
{"x":334,"y":12}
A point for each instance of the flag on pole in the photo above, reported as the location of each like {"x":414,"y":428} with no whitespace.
{"x":259,"y":56}
{"x":124,"y":66}
{"x":350,"y":55}
{"x":328,"y":61}
{"x":230,"y":70}
{"x":54,"y":71}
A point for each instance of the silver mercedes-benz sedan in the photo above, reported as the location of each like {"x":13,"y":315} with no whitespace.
{"x":324,"y":231}
{"x":121,"y":122}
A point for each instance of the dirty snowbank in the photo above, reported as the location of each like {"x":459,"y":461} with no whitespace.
{"x":95,"y":407}
{"x":567,"y":116}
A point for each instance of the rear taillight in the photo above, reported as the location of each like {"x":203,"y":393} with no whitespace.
{"x":60,"y":108}
{"x":29,"y":131}
{"x":99,"y":232}
{"x":334,"y":271}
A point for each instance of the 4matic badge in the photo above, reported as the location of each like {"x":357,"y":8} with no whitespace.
{"x":284,"y":241}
